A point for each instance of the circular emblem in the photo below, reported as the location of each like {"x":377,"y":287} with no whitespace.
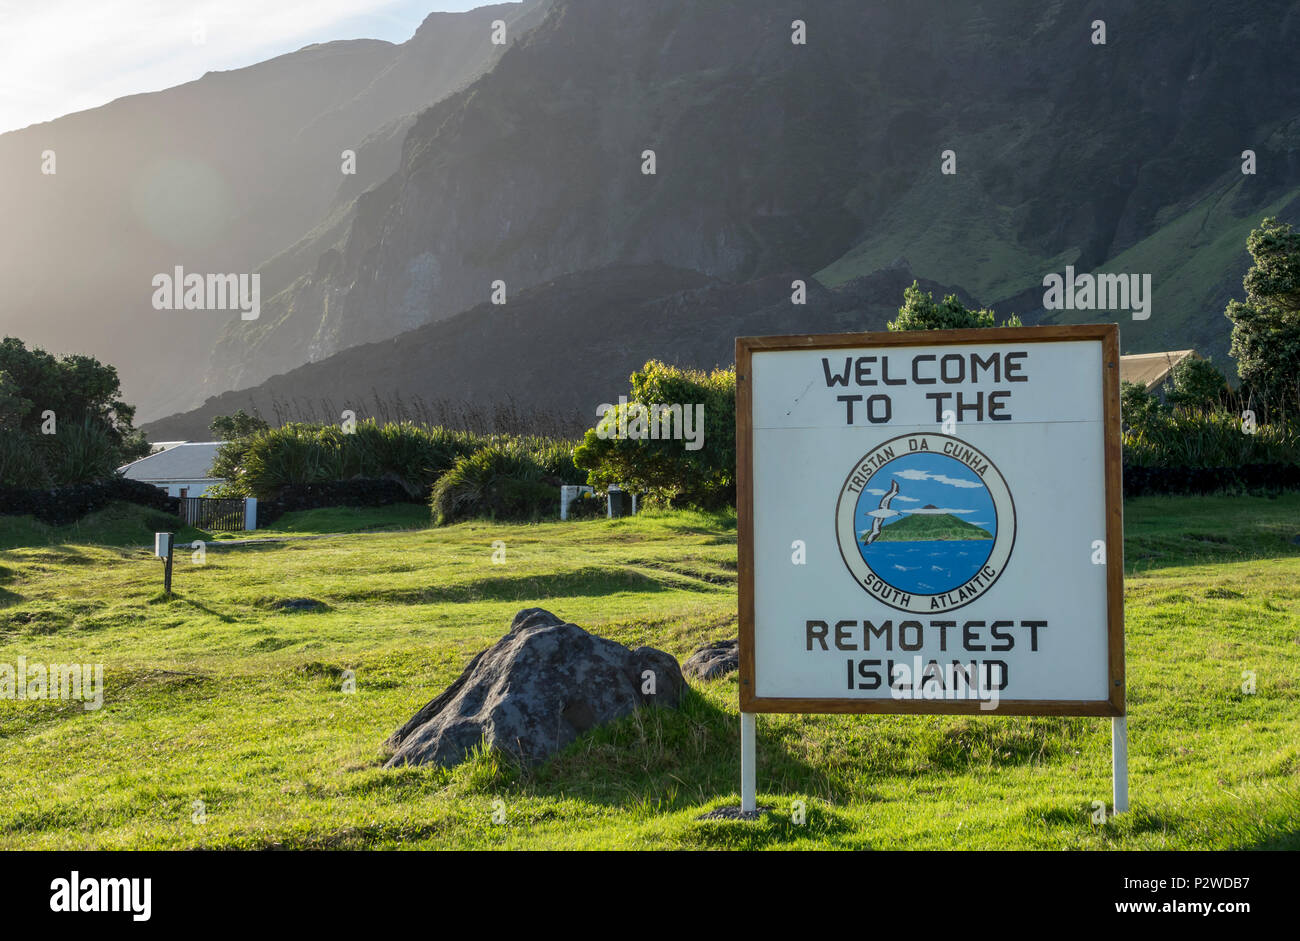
{"x":925,"y":523}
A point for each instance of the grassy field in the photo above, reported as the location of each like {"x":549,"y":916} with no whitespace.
{"x":216,"y":696}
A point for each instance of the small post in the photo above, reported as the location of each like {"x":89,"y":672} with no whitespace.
{"x":167,"y":575}
{"x":163,"y":544}
{"x":250,"y":513}
{"x":1119,"y":763}
{"x":748,"y":772}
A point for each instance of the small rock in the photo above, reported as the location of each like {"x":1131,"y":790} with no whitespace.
{"x":534,"y":691}
{"x":734,"y":813}
{"x":713,"y":660}
{"x":298,"y":604}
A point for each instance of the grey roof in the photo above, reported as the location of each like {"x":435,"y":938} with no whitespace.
{"x":189,"y":461}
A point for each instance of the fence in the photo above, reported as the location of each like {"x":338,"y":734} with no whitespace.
{"x":217,"y":513}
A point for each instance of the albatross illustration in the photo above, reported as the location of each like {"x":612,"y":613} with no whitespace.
{"x":879,"y":520}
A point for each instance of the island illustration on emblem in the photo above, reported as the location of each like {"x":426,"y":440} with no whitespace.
{"x":926,"y":523}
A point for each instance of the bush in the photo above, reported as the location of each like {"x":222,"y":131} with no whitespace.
{"x":59,"y":506}
{"x":1172,"y":438}
{"x":497,"y":482}
{"x":920,"y":312}
{"x":81,"y":452}
{"x":663,"y":467}
{"x":1195,"y":384}
{"x":20,"y":465}
{"x":1138,"y":407}
{"x":299,"y":455}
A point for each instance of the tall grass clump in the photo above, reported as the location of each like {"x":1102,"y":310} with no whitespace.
{"x":1209,"y":432}
{"x":497,"y":482}
{"x":416,"y":456}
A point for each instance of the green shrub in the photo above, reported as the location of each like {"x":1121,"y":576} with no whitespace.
{"x":297,"y":454}
{"x":920,"y":312}
{"x":554,"y":457}
{"x":1177,"y":438}
{"x":665,"y":468}
{"x":1137,"y":406}
{"x":496,"y":482}
{"x":1195,"y":384}
{"x":291,"y":455}
{"x":21,"y":465}
{"x":81,"y":452}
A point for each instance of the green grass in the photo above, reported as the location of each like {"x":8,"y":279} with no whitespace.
{"x":118,"y":524}
{"x":1188,"y":258}
{"x":217,"y":697}
{"x":352,"y":519}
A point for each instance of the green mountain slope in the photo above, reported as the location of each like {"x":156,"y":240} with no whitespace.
{"x":921,"y":528}
{"x":824,"y":160}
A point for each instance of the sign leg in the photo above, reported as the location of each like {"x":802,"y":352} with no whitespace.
{"x":1119,"y":763}
{"x":748,"y":772}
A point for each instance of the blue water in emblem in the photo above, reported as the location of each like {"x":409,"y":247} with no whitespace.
{"x":928,"y":567}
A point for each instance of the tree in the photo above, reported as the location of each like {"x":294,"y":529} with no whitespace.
{"x":236,"y":426}
{"x":1196,"y":384}
{"x":75,"y":388}
{"x":13,"y":407}
{"x":92,"y":432}
{"x":920,"y":312}
{"x":1266,"y":326}
{"x":687,"y":461}
{"x":1138,"y":408}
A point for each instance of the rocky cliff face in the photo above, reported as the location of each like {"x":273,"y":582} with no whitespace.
{"x":820,"y":159}
{"x":555,"y":352}
{"x":217,"y":175}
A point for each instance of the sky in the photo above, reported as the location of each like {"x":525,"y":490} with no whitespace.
{"x":60,"y":56}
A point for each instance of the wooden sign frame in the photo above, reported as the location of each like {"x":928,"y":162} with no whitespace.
{"x":1108,"y":335}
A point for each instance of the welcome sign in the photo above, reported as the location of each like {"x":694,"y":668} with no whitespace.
{"x":931,"y":522}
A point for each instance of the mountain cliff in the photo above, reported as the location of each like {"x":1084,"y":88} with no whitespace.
{"x":774,"y":161}
{"x":822,"y":158}
{"x":217,"y":175}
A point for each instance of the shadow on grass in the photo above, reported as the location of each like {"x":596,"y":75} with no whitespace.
{"x":177,"y":598}
{"x":1161,"y":532}
{"x":585,"y":582}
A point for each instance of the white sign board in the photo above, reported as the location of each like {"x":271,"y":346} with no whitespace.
{"x":931,"y":522}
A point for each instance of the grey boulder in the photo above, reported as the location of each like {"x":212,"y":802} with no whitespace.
{"x":713,"y":660}
{"x":534,"y":691}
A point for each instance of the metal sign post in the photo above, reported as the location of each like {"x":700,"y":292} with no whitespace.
{"x":1119,"y":763}
{"x":748,"y":771}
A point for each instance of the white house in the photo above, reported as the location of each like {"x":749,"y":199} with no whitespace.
{"x":186,"y":466}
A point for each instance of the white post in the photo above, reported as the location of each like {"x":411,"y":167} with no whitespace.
{"x":250,"y":513}
{"x":1119,"y":763}
{"x":748,"y":775}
